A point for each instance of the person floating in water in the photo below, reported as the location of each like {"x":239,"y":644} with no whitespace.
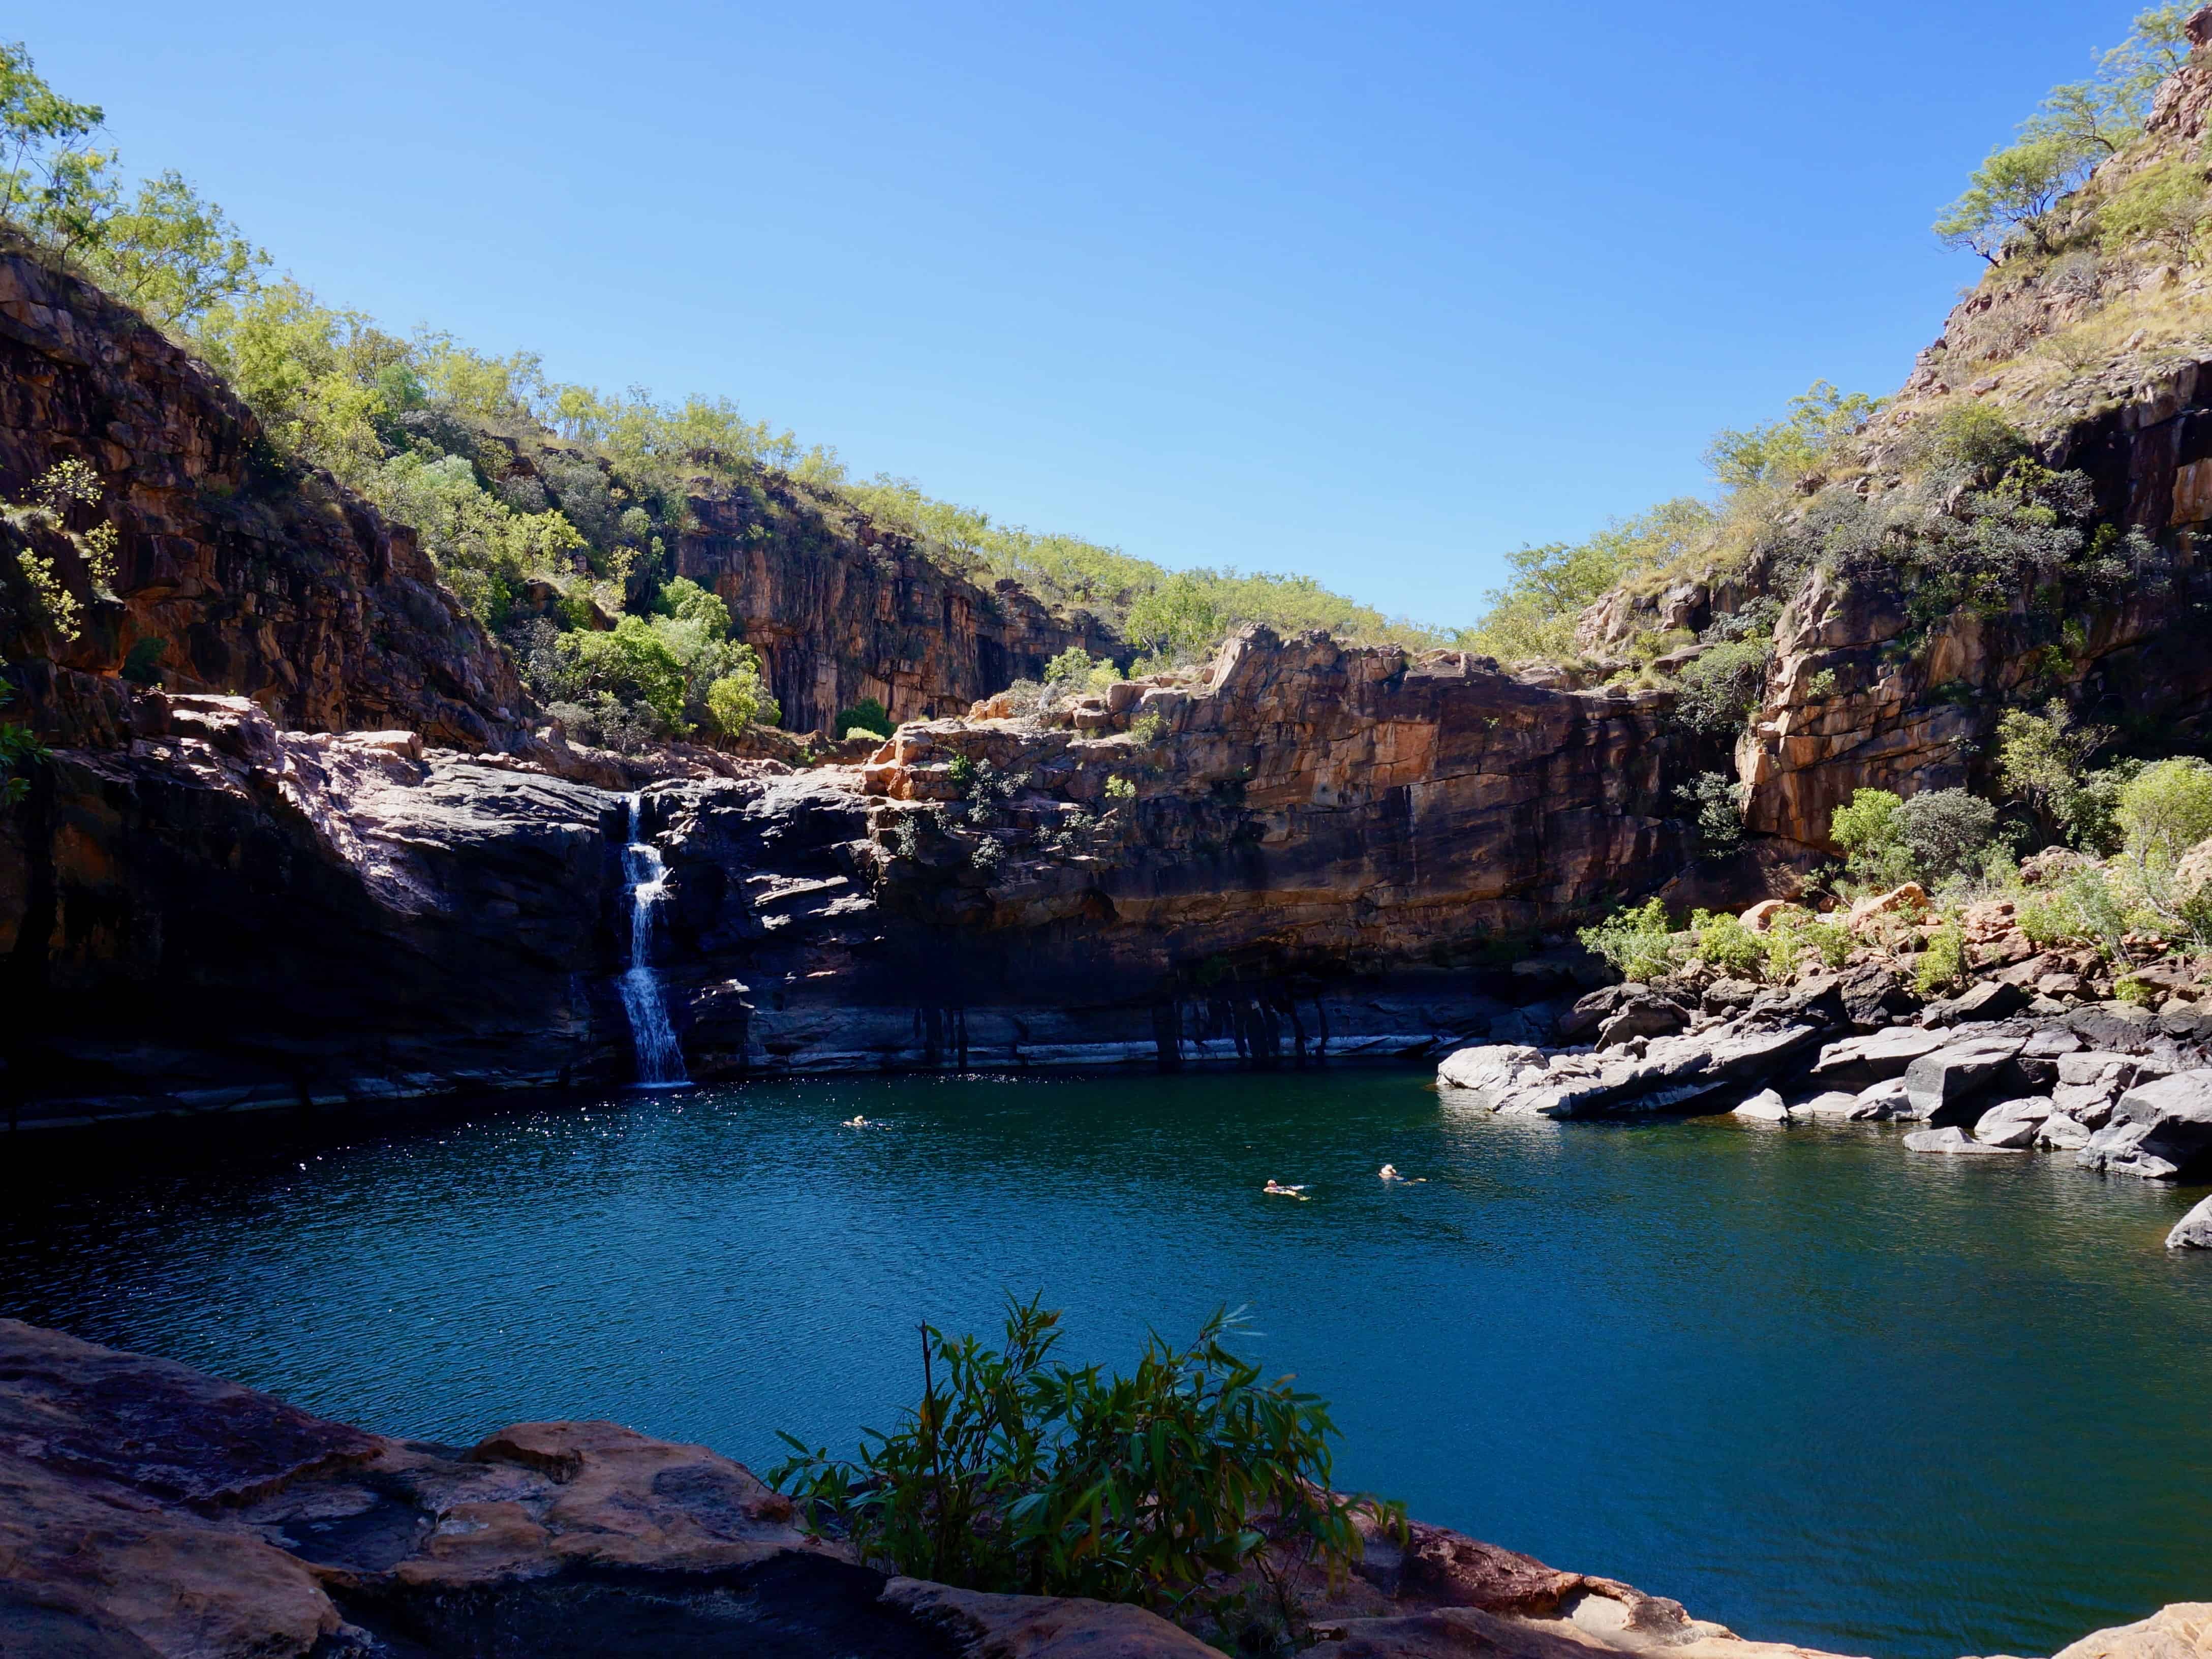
{"x":1277,"y":1189}
{"x":856,"y":1123}
{"x":1390,"y":1172}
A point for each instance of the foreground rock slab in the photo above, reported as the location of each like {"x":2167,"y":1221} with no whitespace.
{"x":146,"y":1509}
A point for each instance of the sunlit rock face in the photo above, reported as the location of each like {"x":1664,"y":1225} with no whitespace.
{"x":251,"y":577}
{"x":841,"y":608}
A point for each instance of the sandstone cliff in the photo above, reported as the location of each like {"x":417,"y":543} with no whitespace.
{"x":249,"y":577}
{"x":841,"y":608}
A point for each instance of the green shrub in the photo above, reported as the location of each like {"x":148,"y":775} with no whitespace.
{"x":740,"y":699}
{"x":1943,"y":963}
{"x":1873,"y":838}
{"x":2129,"y":988}
{"x":1119,"y":789}
{"x":1148,"y":729}
{"x":1723,"y":942}
{"x":2167,"y":809}
{"x":867,"y":715}
{"x":1636,"y":940}
{"x":1016,"y":1473}
{"x":1715,"y":800}
{"x":2048,"y":918}
{"x":1945,"y":831}
{"x":1721,"y":689}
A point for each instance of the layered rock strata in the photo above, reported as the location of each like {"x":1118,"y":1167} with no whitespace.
{"x":1317,"y":853}
{"x":841,"y":608}
{"x":249,"y":576}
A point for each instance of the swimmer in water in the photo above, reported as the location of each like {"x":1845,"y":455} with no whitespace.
{"x":1390,"y":1172}
{"x":1277,"y":1189}
{"x":856,"y":1123}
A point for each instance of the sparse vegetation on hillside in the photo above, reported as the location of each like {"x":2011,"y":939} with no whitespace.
{"x":547,"y":507}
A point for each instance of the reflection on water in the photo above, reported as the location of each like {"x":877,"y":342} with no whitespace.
{"x":1811,"y":1385}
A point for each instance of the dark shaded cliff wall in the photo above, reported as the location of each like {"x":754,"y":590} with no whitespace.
{"x":254,"y":577}
{"x":842,"y":609}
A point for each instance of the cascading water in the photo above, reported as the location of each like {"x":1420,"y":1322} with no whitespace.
{"x":660,"y":1060}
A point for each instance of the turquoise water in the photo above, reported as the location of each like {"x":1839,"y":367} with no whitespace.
{"x":1811,"y":1385}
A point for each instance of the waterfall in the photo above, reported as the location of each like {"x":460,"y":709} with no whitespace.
{"x":660,"y":1060}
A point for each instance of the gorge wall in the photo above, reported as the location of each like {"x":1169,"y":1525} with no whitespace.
{"x":252,"y":578}
{"x":841,"y":608}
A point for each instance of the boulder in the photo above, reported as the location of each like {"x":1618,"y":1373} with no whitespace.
{"x":1990,"y":998}
{"x":2194,"y":1231}
{"x":1488,"y":1070}
{"x":1879,"y":1054}
{"x":1912,"y":896}
{"x":1644,"y":1017}
{"x":1765,"y":1107}
{"x":2160,"y":1130}
{"x":1879,"y":1102}
{"x":1834,"y":1103}
{"x":2012,"y":1122}
{"x":1669,"y":1073}
{"x":2062,"y":1133}
{"x":1583,"y":1020}
{"x":1951,"y":1142}
{"x":2120,"y":1026}
{"x":2089,"y":1082}
{"x":1942,"y":1085}
{"x":1730,"y":996}
{"x":2181,"y":1631}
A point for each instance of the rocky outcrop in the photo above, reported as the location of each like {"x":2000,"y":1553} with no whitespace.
{"x":249,"y":576}
{"x":843,"y":608}
{"x":146,"y":1509}
{"x":1318,"y":853}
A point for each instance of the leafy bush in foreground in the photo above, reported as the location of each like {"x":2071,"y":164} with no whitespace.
{"x":1017,"y":1474}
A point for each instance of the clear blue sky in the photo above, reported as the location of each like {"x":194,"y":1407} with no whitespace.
{"x":1373,"y":292}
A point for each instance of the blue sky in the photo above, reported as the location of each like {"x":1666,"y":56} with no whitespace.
{"x":1377,"y":293}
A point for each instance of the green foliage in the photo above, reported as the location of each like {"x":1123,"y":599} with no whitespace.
{"x":143,"y":666}
{"x":2129,"y":988}
{"x":2166,"y":810}
{"x":33,"y":591}
{"x":483,"y":548}
{"x":1119,"y":789}
{"x":1720,"y":689}
{"x":1148,"y":729}
{"x":2010,"y":194}
{"x":1636,"y":940}
{"x":2162,"y":205}
{"x":1070,"y":667}
{"x":1945,"y":831}
{"x":635,"y":664}
{"x":1721,"y":941}
{"x":1533,"y":615}
{"x":1715,"y":801}
{"x":164,"y":249}
{"x":867,"y":715}
{"x":1943,"y":963}
{"x":1870,"y":832}
{"x":740,"y":699}
{"x":1793,"y":933}
{"x":1781,"y":450}
{"x":19,"y":751}
{"x":1018,"y":1472}
{"x":2042,"y":759}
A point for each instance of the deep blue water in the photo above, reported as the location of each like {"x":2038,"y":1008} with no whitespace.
{"x":1811,"y":1385}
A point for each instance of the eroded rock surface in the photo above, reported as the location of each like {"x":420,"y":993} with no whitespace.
{"x":146,"y":1509}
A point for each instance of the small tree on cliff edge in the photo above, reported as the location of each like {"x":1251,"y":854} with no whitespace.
{"x":2077,"y":126}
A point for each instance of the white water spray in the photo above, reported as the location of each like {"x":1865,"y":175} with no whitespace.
{"x":660,"y":1059}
